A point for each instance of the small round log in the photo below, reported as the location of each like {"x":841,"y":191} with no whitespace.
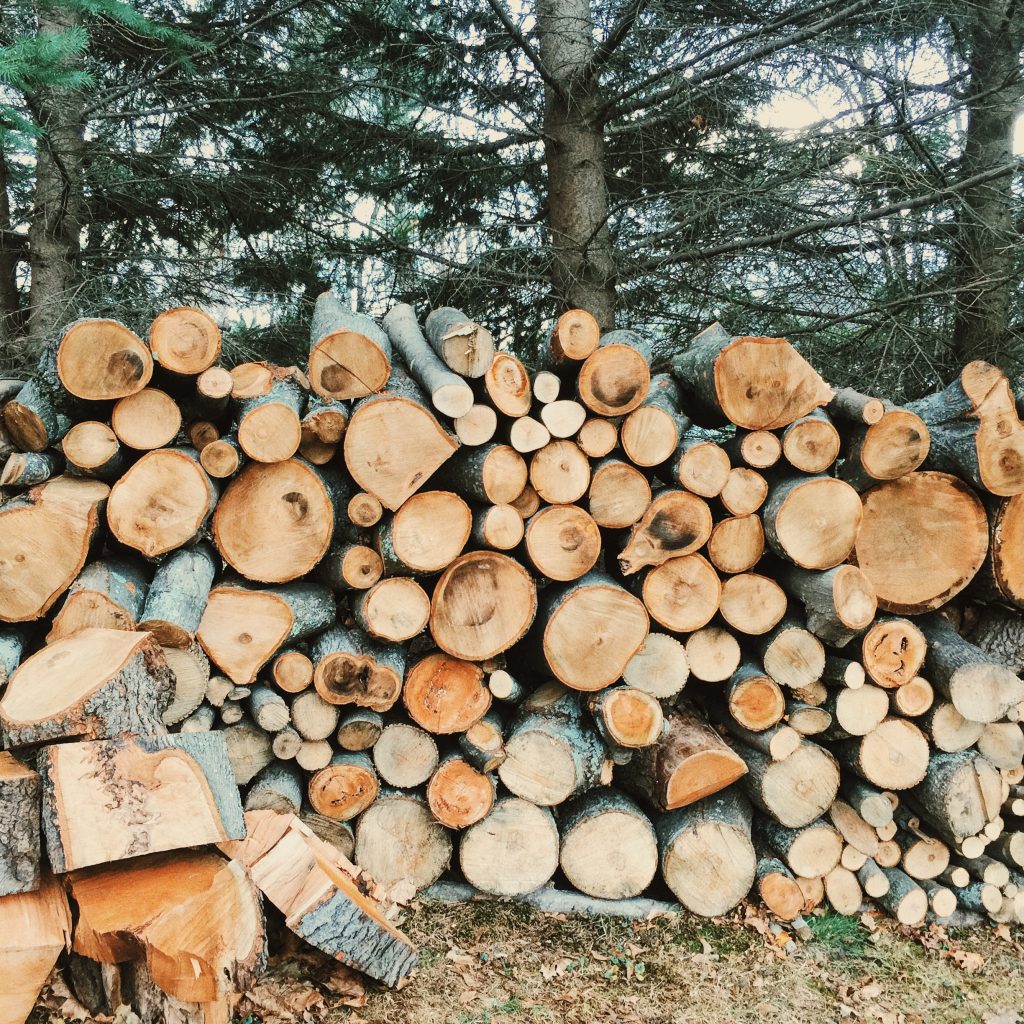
{"x":560,"y":473}
{"x":562,"y":542}
{"x":146,"y":420}
{"x":619,"y":494}
{"x":736,"y":543}
{"x":458,"y":794}
{"x":508,"y":385}
{"x":344,"y":788}
{"x":713,"y":654}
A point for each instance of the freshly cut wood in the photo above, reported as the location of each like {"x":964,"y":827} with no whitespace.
{"x":758,"y":449}
{"x":553,"y":753}
{"x":619,"y":494}
{"x":315,"y":888}
{"x":689,"y":763}
{"x":560,"y":473}
{"x":394,"y":609}
{"x":528,"y":435}
{"x":102,"y":801}
{"x":513,"y":851}
{"x":794,"y":791}
{"x":146,"y":420}
{"x":200,"y":433}
{"x":477,"y":426}
{"x":35,"y":928}
{"x":101,"y":360}
{"x":249,"y":749}
{"x":736,"y":543}
{"x":854,"y":829}
{"x":350,"y":356}
{"x":96,"y":684}
{"x":1003,"y":744}
{"x":493,"y":474}
{"x":177,"y":597}
{"x":194,"y":917}
{"x":752,"y":603}
{"x":445,"y":695}
{"x":270,"y":418}
{"x":913,"y":698}
{"x":506,"y":687}
{"x":39,"y":415}
{"x":323,"y":425}
{"x":615,"y":377}
{"x":854,"y":407}
{"x":508,"y":385}
{"x":345,"y":788}
{"x":839,"y":603}
{"x":812,"y":521}
{"x":614,"y":622}
{"x":810,"y":851}
{"x":608,"y":848}
{"x":564,"y":418}
{"x":905,"y":899}
{"x":404,"y":755}
{"x":890,"y":448}
{"x":811,"y":444}
{"x":843,"y":891}
{"x":394,"y":443}
{"x":91,"y":449}
{"x":279,"y":787}
{"x":364,"y":509}
{"x":659,"y":668}
{"x":184,"y":340}
{"x":1009,"y":848}
{"x":45,"y":539}
{"x":359,"y":729}
{"x":575,"y":335}
{"x":562,"y":542}
{"x":702,"y":464}
{"x":353,"y":668}
{"x":925,"y":857}
{"x":424,"y":852}
{"x":313,"y":755}
{"x":191,"y":671}
{"x":893,"y":651}
{"x":778,"y":889}
{"x":755,"y":701}
{"x":597,"y":437}
{"x":744,"y":491}
{"x":458,"y":795}
{"x":483,"y":603}
{"x":498,"y":527}
{"x":676,"y":523}
{"x":27,"y":469}
{"x":527,"y":503}
{"x":243,"y":626}
{"x":792,"y":655}
{"x":449,"y":393}
{"x":979,"y":687}
{"x":222,"y":458}
{"x":808,"y":719}
{"x":483,"y":744}
{"x":839,"y":673}
{"x":650,"y":434}
{"x":350,"y":567}
{"x":713,"y":654}
{"x":857,"y":712}
{"x":627,"y":718}
{"x":922,"y":540}
{"x":707,"y":857}
{"x":107,"y":594}
{"x":871,"y":804}
{"x":894,"y":754}
{"x":959,"y":794}
{"x":464,"y":345}
{"x":948,"y":729}
{"x":20,"y":800}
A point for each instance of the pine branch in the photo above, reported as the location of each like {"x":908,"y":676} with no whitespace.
{"x":615,"y":38}
{"x":528,"y":49}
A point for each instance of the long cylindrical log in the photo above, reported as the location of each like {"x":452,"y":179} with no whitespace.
{"x":810,"y":851}
{"x":948,"y":730}
{"x":758,"y":449}
{"x":270,"y":423}
{"x":778,"y":890}
{"x":650,"y":434}
{"x":840,"y":603}
{"x":26,"y":469}
{"x":853,"y":407}
{"x":184,"y":340}
{"x":560,"y":473}
{"x":426,"y":847}
{"x":350,"y":567}
{"x":483,"y":743}
{"x":463,"y":345}
{"x":350,"y":356}
{"x":393,"y":610}
{"x":856,"y":712}
{"x":177,"y":597}
{"x":959,"y":794}
{"x":491,"y":474}
{"x":796,"y":790}
{"x":744,"y":492}
{"x":626,"y":718}
{"x":755,"y":701}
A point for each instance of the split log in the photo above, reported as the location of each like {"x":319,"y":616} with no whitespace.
{"x":108,"y":594}
{"x":839,"y":603}
{"x":96,"y":684}
{"x":791,"y":655}
{"x":752,"y":603}
{"x":513,"y":851}
{"x":615,"y":378}
{"x":458,"y":794}
{"x":1003,"y":744}
{"x":100,"y":802}
{"x":404,"y":755}
{"x":184,"y":340}
{"x":565,"y":417}
{"x":619,"y":494}
{"x":464,"y":346}
{"x":922,"y":540}
{"x":315,"y":889}
{"x":707,"y":857}
{"x":562,"y":542}
{"x":359,"y":729}
{"x":352,"y":668}
{"x":449,"y":393}
{"x":676,"y":523}
{"x":498,"y":527}
{"x":809,"y":851}
{"x":659,"y":668}
{"x":350,"y":356}
{"x":701,"y":464}
{"x":893,"y":651}
{"x":483,"y":744}
{"x":894,"y":754}
{"x":713,"y":654}
{"x":146,"y":420}
{"x":20,"y":799}
{"x":778,"y":890}
{"x":92,"y":449}
{"x":350,"y":567}
{"x":476,"y":427}
{"x":394,"y":443}
{"x":758,"y":449}
{"x":393,"y":610}
{"x":756,"y":383}
{"x":811,"y":443}
{"x":812,"y":522}
{"x":552,"y":752}
{"x":344,"y":788}
{"x":960,"y":792}
{"x":445,"y":695}
{"x":508,"y":385}
{"x":493,"y":474}
{"x":176,"y":599}
{"x":650,"y":434}
{"x":744,"y":491}
{"x":794,"y":791}
{"x":598,"y":437}
{"x":608,"y":847}
{"x":560,"y":473}
{"x":736,"y":543}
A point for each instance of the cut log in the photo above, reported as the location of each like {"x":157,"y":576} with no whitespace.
{"x":200,"y":433}
{"x":614,"y":622}
{"x":707,"y":857}
{"x":893,"y":651}
{"x":778,"y":742}
{"x":27,"y":469}
{"x":913,"y":698}
{"x":565,"y":417}
{"x":922,"y":540}
{"x":758,"y":449}
{"x":38,"y":416}
{"x":843,"y":891}
{"x":20,"y":800}
{"x":498,"y":527}
{"x":249,"y":750}
{"x":345,"y":788}
{"x":871,"y":804}
{"x":736,"y":543}
{"x":853,"y":828}
{"x":713,"y":654}
{"x":897,"y":444}
{"x":560,"y":473}
{"x":1003,"y":744}
{"x":445,"y":695}
{"x":465,"y":346}
{"x":754,"y":700}
{"x":925,"y":857}
{"x":184,"y":340}
{"x":350,"y":356}
{"x":615,"y":377}
{"x":243,"y":627}
{"x":404,"y":755}
{"x":359,"y":729}
{"x":483,"y":744}
{"x":840,"y":603}
{"x":191,"y":671}
{"x":313,"y":755}
{"x":458,"y":795}
{"x":393,"y":610}
{"x":146,"y":420}
{"x":690,"y":763}
{"x":808,"y":719}
{"x":778,"y":889}
{"x":744,"y":491}
{"x":13,"y":641}
{"x":508,"y":385}
{"x":839,"y":672}
{"x":552,"y":751}
{"x":91,"y":449}
{"x":268,"y":709}
{"x":364,"y":510}
{"x":270,"y":421}
{"x":314,"y":718}
{"x":959,"y":794}
{"x":873,"y":879}
{"x":857,"y":712}
{"x":45,"y":538}
{"x":107,"y":594}
{"x":676,"y":523}
{"x":222,"y":458}
{"x":659,"y":668}
{"x":608,"y":847}
{"x":810,"y":851}
{"x":701,"y":464}
{"x":546,"y":386}
{"x":562,"y":542}
{"x":483,"y":603}
{"x":905,"y":899}
{"x":598,"y":437}
{"x":619,"y":494}
{"x":812,"y":521}
{"x":315,"y":889}
{"x":527,"y":435}
{"x":1009,"y":848}
{"x":101,"y":360}
{"x":323,"y":424}
{"x":794,"y":791}
{"x":650,"y":434}
{"x":477,"y":426}
{"x":792,"y":656}
{"x":274,"y":521}
{"x":353,"y":668}
{"x":213,"y":391}
{"x":35,"y":928}
{"x":948,"y":729}
{"x":894,"y":754}
{"x":811,"y":444}
{"x":627,"y":718}
{"x":424,"y":852}
{"x":96,"y":684}
{"x":527,"y":503}
{"x":575,"y":335}
{"x":752,"y":603}
{"x":177,"y":597}
{"x":493,"y":474}
{"x":394,"y":443}
{"x":101,"y":802}
{"x":506,"y":687}
{"x":203,"y":719}
{"x":853,"y":407}
{"x":350,"y":567}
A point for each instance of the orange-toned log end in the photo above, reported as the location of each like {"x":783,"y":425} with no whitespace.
{"x":459,"y":795}
{"x":575,"y":336}
{"x":344,"y":678}
{"x":346,"y":364}
{"x":676,"y":523}
{"x":345,"y":788}
{"x":445,"y":695}
{"x":101,"y":360}
{"x":148,"y":419}
{"x":614,"y":380}
{"x":185,"y":340}
{"x":631,"y":717}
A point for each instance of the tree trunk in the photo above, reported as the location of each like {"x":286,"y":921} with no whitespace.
{"x":583,"y":270}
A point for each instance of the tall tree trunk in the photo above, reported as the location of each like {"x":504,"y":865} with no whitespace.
{"x":12,"y":248}
{"x":55,"y":222}
{"x":583,"y":271}
{"x":987,"y":233}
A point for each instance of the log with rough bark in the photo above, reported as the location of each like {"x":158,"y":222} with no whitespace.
{"x":351,"y":667}
{"x":425,"y":535}
{"x":794,"y":791}
{"x":758,"y":449}
{"x":350,"y":356}
{"x":108,"y":594}
{"x":20,"y":854}
{"x":812,"y":521}
{"x":755,"y":700}
{"x":492,"y":474}
{"x":462,"y":344}
{"x":958,"y":795}
{"x":91,"y":449}
{"x":270,"y":416}
{"x":177,"y":597}
{"x":839,"y":603}
{"x":893,"y":446}
{"x":650,"y":434}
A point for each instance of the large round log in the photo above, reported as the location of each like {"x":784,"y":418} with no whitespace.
{"x":701,"y":464}
{"x":269,"y":421}
{"x":794,"y":791}
{"x":922,"y":540}
{"x":404,"y":755}
{"x":811,"y":444}
{"x":562,"y":542}
{"x":353,"y":668}
{"x":146,"y":420}
{"x":752,"y":603}
{"x":350,"y":356}
{"x":792,"y":655}
{"x":423,"y":854}
{"x":394,"y":609}
{"x":184,"y":340}
{"x":676,"y":523}
{"x":101,"y":360}
{"x":619,"y":494}
{"x":615,"y":377}
{"x":575,"y":335}
{"x":682,"y":594}
{"x":560,"y":473}
{"x":445,"y":695}
{"x":1002,"y":576}
{"x":812,"y":521}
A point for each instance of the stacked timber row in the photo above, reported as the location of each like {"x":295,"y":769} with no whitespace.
{"x":583,"y":620}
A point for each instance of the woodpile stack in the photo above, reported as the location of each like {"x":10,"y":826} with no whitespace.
{"x":427,"y":608}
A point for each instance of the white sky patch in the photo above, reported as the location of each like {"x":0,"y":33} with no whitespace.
{"x":1018,"y":137}
{"x":792,"y":113}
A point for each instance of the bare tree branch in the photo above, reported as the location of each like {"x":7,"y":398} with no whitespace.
{"x":616,"y":36}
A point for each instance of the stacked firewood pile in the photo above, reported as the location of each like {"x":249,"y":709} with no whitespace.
{"x":423,"y":608}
